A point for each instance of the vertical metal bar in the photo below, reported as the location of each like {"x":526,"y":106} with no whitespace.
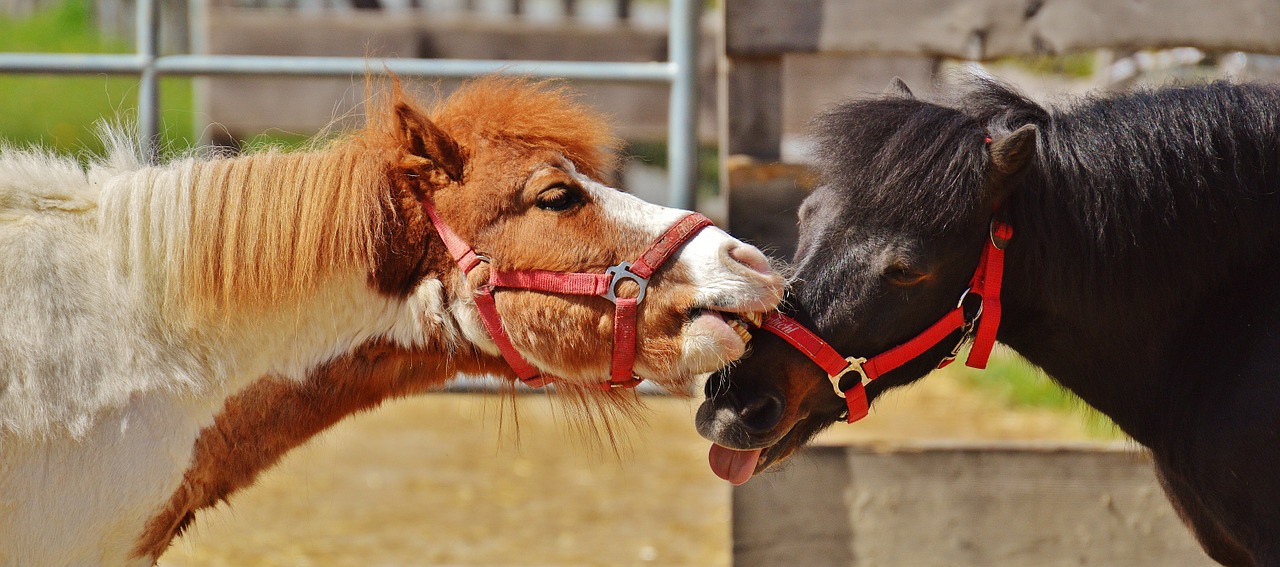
{"x":682,"y":137}
{"x":147,"y":33}
{"x":622,"y":10}
{"x":198,"y":31}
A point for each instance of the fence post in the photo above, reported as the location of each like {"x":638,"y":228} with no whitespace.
{"x":682,"y":138}
{"x":147,"y":18}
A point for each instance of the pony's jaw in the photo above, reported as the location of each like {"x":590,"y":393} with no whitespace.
{"x":774,"y":405}
{"x":712,"y":273}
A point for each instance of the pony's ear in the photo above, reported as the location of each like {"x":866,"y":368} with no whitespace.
{"x":898,"y":87}
{"x":1011,"y":153}
{"x":426,"y":142}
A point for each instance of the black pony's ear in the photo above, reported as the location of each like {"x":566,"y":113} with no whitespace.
{"x":898,"y":87}
{"x":427,"y":144}
{"x":1009,"y":154}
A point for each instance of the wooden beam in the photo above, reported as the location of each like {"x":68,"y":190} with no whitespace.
{"x":769,"y":27}
{"x":987,"y":29}
{"x":753,"y":109}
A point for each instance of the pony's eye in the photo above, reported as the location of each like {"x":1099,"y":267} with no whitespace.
{"x":559,"y":198}
{"x":902,"y":275}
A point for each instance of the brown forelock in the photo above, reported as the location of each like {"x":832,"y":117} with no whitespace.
{"x":260,"y":424}
{"x":534,"y":114}
{"x":500,"y":121}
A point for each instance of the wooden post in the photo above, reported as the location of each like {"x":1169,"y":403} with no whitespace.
{"x":749,"y":101}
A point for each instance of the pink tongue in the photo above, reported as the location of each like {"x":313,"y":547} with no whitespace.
{"x":733,"y":466}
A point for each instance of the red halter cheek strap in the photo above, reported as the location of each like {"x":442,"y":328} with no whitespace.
{"x":626,"y":309}
{"x":986,"y":283}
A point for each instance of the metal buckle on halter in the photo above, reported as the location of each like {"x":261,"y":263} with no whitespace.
{"x":632,"y":383}
{"x":855,"y":365}
{"x":966,"y":331}
{"x":618,"y":274}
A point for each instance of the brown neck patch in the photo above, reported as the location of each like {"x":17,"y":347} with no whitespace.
{"x":260,"y":424}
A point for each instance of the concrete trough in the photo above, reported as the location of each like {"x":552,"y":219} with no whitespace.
{"x":959,"y":505}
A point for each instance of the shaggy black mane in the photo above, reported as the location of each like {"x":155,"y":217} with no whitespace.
{"x":909,"y":162}
{"x":1176,"y":167}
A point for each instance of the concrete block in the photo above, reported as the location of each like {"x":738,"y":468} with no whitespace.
{"x":960,"y":505}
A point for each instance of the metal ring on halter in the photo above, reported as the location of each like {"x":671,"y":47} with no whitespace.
{"x":855,"y":365}
{"x":618,"y":274}
{"x":960,"y":305}
{"x":999,"y":242}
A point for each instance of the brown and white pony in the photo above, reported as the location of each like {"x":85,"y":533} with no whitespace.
{"x":280,"y":291}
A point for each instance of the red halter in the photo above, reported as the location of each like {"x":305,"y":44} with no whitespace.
{"x":625,"y":311}
{"x":985,"y":284}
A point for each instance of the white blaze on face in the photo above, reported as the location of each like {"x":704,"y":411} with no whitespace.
{"x":727,"y":275}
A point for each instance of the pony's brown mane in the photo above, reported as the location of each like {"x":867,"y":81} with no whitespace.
{"x":268,"y":227}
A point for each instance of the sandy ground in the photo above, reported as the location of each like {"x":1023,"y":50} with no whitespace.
{"x":437,"y":481}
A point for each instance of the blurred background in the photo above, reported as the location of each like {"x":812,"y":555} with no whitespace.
{"x":475,"y":479}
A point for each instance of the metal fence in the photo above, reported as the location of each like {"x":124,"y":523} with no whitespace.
{"x":679,"y":71}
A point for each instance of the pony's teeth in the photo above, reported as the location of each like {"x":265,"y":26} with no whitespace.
{"x":740,"y":329}
{"x":755,"y":318}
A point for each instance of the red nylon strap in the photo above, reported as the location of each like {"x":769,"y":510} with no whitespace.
{"x":558,"y":282}
{"x":821,"y":354}
{"x":806,"y":342}
{"x":888,"y":360}
{"x":666,"y":245}
{"x":462,"y":253}
{"x":855,"y":399}
{"x":988,"y":282}
{"x":493,"y":323}
{"x":624,"y":344}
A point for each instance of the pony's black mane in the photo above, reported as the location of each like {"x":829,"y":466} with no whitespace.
{"x":910,"y":163}
{"x":1176,"y":167}
{"x":1157,"y":165}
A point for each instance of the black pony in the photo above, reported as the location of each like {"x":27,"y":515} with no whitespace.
{"x":1143,"y":275}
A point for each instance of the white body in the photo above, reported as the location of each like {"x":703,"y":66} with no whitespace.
{"x":103,"y":391}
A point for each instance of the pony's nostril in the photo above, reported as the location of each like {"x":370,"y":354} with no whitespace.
{"x":761,"y":414}
{"x":750,"y":257}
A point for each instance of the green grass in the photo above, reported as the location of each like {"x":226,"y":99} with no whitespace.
{"x":655,"y":153}
{"x":59,"y":111}
{"x":1016,"y":383}
{"x":1079,"y":65}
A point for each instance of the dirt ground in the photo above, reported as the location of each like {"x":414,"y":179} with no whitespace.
{"x":435,"y":481}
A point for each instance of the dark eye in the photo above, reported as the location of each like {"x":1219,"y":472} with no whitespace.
{"x":559,"y":198}
{"x":903,"y":275}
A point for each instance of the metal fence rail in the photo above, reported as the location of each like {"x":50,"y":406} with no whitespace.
{"x":680,"y":71}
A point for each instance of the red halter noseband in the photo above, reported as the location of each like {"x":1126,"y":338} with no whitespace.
{"x":986,"y":282}
{"x":626,"y":309}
